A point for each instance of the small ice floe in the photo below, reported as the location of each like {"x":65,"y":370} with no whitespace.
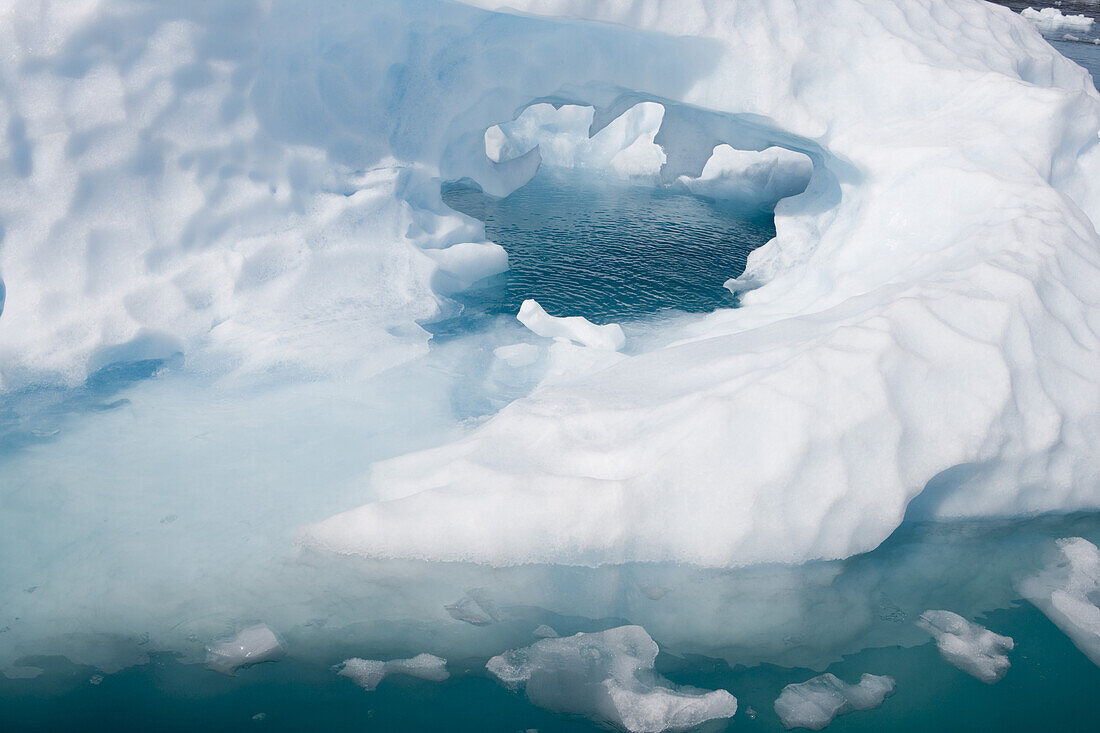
{"x":573,"y":328}
{"x":813,"y":704}
{"x":543,"y":631}
{"x":1051,"y":20}
{"x":95,"y":679}
{"x":476,"y":607}
{"x":608,"y":677}
{"x":972,"y":648}
{"x":368,"y":673}
{"x":1066,"y":591}
{"x":252,"y":645}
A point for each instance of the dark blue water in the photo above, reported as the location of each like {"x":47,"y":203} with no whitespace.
{"x":609,"y":251}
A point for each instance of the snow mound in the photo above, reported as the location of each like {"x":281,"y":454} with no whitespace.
{"x":249,"y":646}
{"x":750,"y":178}
{"x":972,"y":648}
{"x":609,"y":677}
{"x":369,"y":673}
{"x":1051,"y":20}
{"x":1068,"y":592}
{"x":813,"y":704}
{"x":574,"y":328}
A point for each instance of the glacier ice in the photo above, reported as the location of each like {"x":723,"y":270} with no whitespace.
{"x":608,"y":676}
{"x":1051,"y":20}
{"x":255,"y":644}
{"x":1068,"y":592}
{"x":369,"y":673}
{"x":255,"y":188}
{"x":573,"y":328}
{"x":813,"y":704}
{"x":972,"y":648}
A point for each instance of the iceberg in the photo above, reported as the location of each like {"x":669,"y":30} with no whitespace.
{"x":608,"y":676}
{"x":972,"y":648}
{"x":922,"y":324}
{"x":369,"y":673}
{"x":1067,"y":592}
{"x":813,"y":704}
{"x":1051,"y":20}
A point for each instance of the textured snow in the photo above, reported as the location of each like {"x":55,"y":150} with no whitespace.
{"x":813,"y":704}
{"x":1068,"y":592}
{"x":572,"y":328}
{"x":256,"y":187}
{"x":368,"y":673}
{"x":608,"y":676}
{"x":972,"y":648}
{"x":751,"y":178}
{"x":252,"y":645}
{"x":1051,"y":20}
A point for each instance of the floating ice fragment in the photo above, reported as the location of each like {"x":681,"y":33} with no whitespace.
{"x":573,"y":328}
{"x":517,"y":355}
{"x":752,"y":178}
{"x":368,"y":673}
{"x":545,"y":632}
{"x":609,"y":677}
{"x":1066,"y":592}
{"x":972,"y":648}
{"x":250,"y":646}
{"x":1051,"y":20}
{"x":813,"y":704}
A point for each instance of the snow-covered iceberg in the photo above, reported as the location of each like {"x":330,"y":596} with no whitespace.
{"x":256,"y":187}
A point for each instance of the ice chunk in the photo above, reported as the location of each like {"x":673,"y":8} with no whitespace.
{"x":517,"y":355}
{"x":368,"y":673}
{"x":1051,"y":20}
{"x":545,"y":632}
{"x":750,"y":178}
{"x":609,"y":677}
{"x":1068,"y":591}
{"x":574,"y":328}
{"x":625,"y":146}
{"x":972,"y":648}
{"x":813,"y":704}
{"x":249,"y":646}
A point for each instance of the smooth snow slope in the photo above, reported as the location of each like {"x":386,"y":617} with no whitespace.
{"x":255,"y":186}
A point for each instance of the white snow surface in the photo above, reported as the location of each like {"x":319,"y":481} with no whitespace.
{"x":1051,"y":20}
{"x":813,"y":704}
{"x":255,"y":644}
{"x":608,"y":676}
{"x":972,"y":648}
{"x":256,"y":187}
{"x":571,"y":328}
{"x":368,"y":673}
{"x":1068,"y":592}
